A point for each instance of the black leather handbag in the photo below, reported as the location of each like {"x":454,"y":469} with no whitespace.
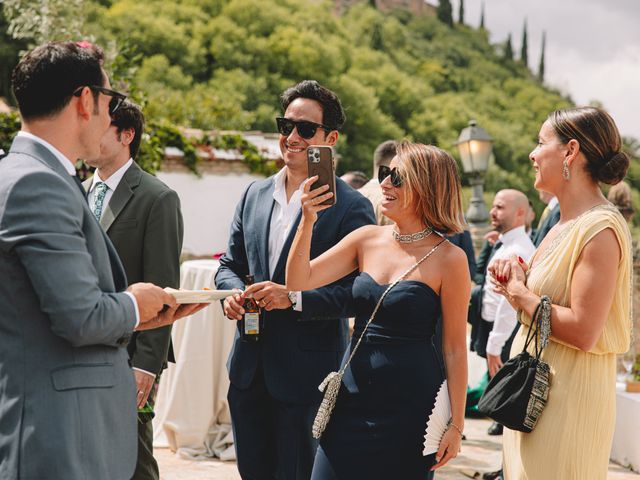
{"x":518,"y":392}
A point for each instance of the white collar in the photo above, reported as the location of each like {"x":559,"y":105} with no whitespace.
{"x":279,"y":187}
{"x":66,"y":163}
{"x":552,"y":203}
{"x":512,"y":235}
{"x":114,"y":180}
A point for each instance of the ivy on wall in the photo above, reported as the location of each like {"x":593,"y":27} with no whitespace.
{"x":256,"y":162}
{"x":157,"y":137}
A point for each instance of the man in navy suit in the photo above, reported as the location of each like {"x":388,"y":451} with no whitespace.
{"x":274,"y":394}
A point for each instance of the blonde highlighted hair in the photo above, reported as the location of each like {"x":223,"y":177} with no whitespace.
{"x":431,"y":175}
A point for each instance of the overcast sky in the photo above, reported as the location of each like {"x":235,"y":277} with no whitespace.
{"x":592,"y":52}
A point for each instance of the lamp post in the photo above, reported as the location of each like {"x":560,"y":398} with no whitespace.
{"x":475,"y":147}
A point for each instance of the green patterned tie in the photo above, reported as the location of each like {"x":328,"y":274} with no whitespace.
{"x":100,"y":191}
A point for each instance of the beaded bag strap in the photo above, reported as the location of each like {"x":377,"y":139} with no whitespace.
{"x":375,"y":310}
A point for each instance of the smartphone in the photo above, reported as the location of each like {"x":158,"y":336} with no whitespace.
{"x":320,"y":162}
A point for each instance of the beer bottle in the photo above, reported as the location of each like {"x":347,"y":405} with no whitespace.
{"x":251,"y":323}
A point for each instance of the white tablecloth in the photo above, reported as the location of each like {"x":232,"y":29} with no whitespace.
{"x":192,"y":414}
{"x":626,"y":449}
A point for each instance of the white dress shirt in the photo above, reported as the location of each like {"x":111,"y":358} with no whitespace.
{"x":282,"y":219}
{"x":495,"y":307}
{"x":112,"y":182}
{"x":66,"y":163}
{"x":69,"y":167}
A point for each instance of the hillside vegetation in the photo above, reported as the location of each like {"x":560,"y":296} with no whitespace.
{"x":221,"y":64}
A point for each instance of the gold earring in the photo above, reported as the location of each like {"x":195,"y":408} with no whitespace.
{"x":565,"y":171}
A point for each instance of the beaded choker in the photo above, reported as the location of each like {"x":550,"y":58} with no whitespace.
{"x":411,"y":237}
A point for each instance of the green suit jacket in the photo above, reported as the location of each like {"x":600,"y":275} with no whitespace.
{"x":144,"y":222}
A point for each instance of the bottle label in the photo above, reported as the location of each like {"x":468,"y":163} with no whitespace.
{"x":251,"y":323}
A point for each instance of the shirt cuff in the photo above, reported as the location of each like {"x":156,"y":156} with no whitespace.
{"x":492,"y":347}
{"x":298,"y":307}
{"x":144,"y":371}
{"x":135,"y":306}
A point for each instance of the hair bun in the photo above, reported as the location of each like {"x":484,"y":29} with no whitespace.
{"x":614,"y":169}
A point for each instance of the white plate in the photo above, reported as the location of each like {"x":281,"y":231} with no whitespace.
{"x":198,"y":296}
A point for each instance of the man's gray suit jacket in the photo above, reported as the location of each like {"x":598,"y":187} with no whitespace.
{"x":67,"y":393}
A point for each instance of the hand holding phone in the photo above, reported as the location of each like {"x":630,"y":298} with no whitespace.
{"x":320,"y":163}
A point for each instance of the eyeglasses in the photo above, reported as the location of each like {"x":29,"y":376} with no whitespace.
{"x":305,"y":129}
{"x":116,"y":97}
{"x":384,"y":172}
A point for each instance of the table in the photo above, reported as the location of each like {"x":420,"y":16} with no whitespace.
{"x":192,"y":413}
{"x":626,"y":449}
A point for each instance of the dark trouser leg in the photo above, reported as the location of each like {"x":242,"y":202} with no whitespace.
{"x":147,"y":467}
{"x":252,"y":416}
{"x":296,"y":446}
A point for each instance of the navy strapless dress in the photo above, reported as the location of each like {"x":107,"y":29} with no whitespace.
{"x":377,"y":428}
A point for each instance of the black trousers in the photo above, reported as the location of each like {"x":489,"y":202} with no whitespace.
{"x":272,"y":438}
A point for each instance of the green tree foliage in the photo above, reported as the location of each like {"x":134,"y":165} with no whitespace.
{"x":9,"y":53}
{"x":482,"y":16}
{"x":222,"y":64}
{"x":445,"y":12}
{"x":524,"y":50}
{"x":39,"y":21}
{"x":541,"y":64}
{"x":508,"y":49}
{"x":461,"y":13}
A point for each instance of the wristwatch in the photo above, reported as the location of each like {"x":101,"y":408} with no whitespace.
{"x":293,"y":298}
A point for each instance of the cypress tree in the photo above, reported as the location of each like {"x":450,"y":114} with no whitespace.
{"x":461,"y":13}
{"x":445,"y":12}
{"x":524,"y":53}
{"x":508,"y":49}
{"x":482,"y":16}
{"x":541,"y":66}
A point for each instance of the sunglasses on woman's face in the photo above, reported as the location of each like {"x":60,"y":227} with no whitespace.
{"x":305,"y":129}
{"x":384,"y":172}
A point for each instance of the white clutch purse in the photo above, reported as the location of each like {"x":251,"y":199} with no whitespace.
{"x":438,"y":421}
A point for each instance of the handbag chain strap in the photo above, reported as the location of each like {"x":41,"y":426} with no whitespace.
{"x":540,"y":324}
{"x":375,"y":310}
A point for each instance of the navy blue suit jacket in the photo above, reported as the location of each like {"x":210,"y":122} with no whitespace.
{"x":296,"y":349}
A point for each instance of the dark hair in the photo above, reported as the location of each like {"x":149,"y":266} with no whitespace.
{"x":359,"y":179}
{"x":599,"y":140}
{"x":383,"y":154}
{"x":45,"y":79}
{"x":129,"y":116}
{"x":333,"y":115}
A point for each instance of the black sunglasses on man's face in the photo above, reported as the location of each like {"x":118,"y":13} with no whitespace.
{"x":305,"y":128}
{"x":116,"y":97}
{"x":384,"y":172}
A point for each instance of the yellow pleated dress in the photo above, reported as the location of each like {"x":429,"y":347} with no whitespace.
{"x":572,"y":439}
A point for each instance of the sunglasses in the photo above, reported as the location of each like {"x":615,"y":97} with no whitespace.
{"x":305,"y":129}
{"x":384,"y":172}
{"x":116,"y":97}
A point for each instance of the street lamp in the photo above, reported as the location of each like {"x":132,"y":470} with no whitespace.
{"x":475,"y":146}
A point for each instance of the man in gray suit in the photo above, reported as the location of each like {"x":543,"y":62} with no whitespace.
{"x":67,"y":394}
{"x":142,"y":217}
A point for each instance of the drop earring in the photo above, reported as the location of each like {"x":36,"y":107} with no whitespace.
{"x":565,"y":171}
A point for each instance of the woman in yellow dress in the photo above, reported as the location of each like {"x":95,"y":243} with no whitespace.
{"x":584,"y":265}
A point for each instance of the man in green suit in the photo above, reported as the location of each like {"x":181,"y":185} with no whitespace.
{"x":141,"y":216}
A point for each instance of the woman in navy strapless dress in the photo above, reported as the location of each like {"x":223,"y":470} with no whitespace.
{"x":388,"y":391}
